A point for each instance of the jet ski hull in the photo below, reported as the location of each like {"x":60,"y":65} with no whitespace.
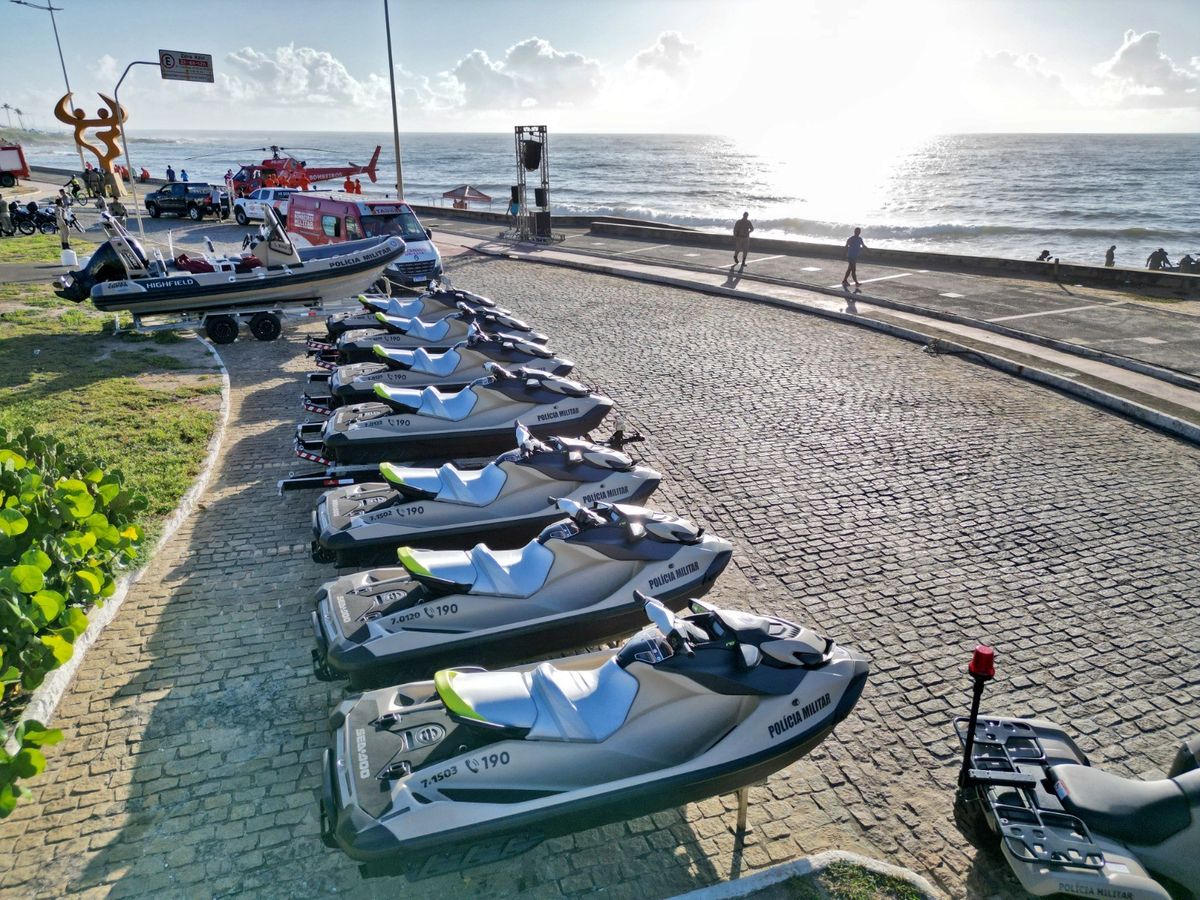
{"x":750,"y":752}
{"x":433,"y":524}
{"x":374,"y":432}
{"x":436,"y":628}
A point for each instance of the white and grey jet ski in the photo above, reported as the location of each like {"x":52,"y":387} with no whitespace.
{"x":506,"y":503}
{"x":688,"y":708}
{"x":430,"y":306}
{"x":570,"y":587}
{"x":450,"y":370}
{"x":477,"y":420}
{"x":408,"y":334}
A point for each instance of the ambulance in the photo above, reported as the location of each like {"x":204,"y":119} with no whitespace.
{"x":329,"y":217}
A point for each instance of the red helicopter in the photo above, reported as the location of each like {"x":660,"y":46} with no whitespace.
{"x":284,"y":170}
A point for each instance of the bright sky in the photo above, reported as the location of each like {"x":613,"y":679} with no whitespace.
{"x":792,"y":70}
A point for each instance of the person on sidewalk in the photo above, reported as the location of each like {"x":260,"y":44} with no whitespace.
{"x":64,"y":227}
{"x":741,"y":238}
{"x":854,"y":246}
{"x":170,"y":175}
{"x":1110,"y":256}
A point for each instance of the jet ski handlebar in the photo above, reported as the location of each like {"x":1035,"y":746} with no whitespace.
{"x":680,"y":633}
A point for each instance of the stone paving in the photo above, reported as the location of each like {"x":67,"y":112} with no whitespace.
{"x":907,"y":505}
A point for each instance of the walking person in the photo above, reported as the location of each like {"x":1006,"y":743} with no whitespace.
{"x":514,"y":210}
{"x":854,"y":246}
{"x":741,"y":238}
{"x":1110,"y":256}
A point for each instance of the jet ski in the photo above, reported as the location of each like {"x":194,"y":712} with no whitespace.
{"x":120,"y":276}
{"x":690,"y":707}
{"x":451,"y":370}
{"x":1064,"y":826}
{"x":408,"y":334}
{"x":569,"y":587}
{"x":430,"y":306}
{"x":479,"y":419}
{"x":507,"y":502}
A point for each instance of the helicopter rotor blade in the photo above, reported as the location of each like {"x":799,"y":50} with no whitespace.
{"x":221,"y":152}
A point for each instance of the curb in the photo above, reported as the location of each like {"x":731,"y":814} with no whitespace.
{"x":807,"y":865}
{"x":1154,"y":418}
{"x":46,"y":697}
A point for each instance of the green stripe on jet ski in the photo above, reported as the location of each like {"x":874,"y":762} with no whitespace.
{"x":405,"y":555}
{"x":391,"y":472}
{"x":454,"y":703}
{"x":380,"y":388}
{"x":379,"y":351}
{"x":381,"y":317}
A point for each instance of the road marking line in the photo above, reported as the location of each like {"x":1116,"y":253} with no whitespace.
{"x":952,"y":296}
{"x":1149,"y":340}
{"x":810,"y":269}
{"x":1055,"y":312}
{"x":880,"y":278}
{"x":765,"y":258}
{"x":642,"y":249}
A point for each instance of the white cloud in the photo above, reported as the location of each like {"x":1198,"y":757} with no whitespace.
{"x":1142,"y":75}
{"x":672,"y":54}
{"x":298,"y":76}
{"x":1013,"y":73}
{"x":530,"y":74}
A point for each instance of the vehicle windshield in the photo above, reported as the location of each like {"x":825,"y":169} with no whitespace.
{"x":402,"y":224}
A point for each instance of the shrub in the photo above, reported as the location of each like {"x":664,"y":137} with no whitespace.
{"x":66,"y":527}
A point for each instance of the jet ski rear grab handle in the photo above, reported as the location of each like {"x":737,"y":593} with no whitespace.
{"x":307,"y":446}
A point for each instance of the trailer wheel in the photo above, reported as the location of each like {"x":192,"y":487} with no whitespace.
{"x":7,"y":179}
{"x":221,"y":329}
{"x":265,"y":326}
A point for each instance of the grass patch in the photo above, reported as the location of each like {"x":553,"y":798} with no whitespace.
{"x":841,"y":881}
{"x":41,"y":248}
{"x":63,"y":373}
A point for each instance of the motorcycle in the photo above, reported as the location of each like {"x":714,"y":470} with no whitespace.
{"x":1065,"y":827}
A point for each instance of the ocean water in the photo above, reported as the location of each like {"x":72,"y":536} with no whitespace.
{"x":1000,"y":195}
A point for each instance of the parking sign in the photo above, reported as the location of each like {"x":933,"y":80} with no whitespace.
{"x":176,"y":65}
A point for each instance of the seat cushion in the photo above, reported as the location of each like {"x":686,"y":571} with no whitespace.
{"x":471,"y":488}
{"x":452,"y":407}
{"x":1139,"y":812}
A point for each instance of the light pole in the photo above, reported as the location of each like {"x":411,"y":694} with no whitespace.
{"x":52,"y":10}
{"x":137,"y":209}
{"x":387,"y":20}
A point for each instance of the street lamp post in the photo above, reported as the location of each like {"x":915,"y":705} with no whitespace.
{"x":52,"y":10}
{"x":137,"y":209}
{"x":387,"y":20}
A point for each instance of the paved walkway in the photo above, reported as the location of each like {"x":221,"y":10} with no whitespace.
{"x":907,"y":504}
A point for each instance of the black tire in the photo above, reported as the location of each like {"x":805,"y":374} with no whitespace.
{"x":240,"y":215}
{"x":265,"y":326}
{"x":194,"y":212}
{"x":25,"y":226}
{"x":47,"y":228}
{"x":153,"y":209}
{"x":322,"y":554}
{"x":7,"y":179}
{"x":221,"y":329}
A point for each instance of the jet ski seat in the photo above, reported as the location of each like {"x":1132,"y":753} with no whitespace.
{"x":429,"y":402}
{"x":553,"y":704}
{"x":1140,"y":812}
{"x":472,"y":488}
{"x":482,"y":571}
{"x":426,"y":331}
{"x":421,"y":360}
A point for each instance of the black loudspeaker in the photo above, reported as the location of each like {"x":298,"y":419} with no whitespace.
{"x":541,"y":224}
{"x":515,"y":193}
{"x":539,"y":197}
{"x":531,"y":154}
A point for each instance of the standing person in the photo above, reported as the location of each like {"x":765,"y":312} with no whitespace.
{"x":357,"y":186}
{"x":1110,"y":256}
{"x":183,"y":175}
{"x":64,"y":227}
{"x":1158,"y":260}
{"x":348,"y":185}
{"x":854,"y":246}
{"x":514,"y":210}
{"x":170,"y":174}
{"x":6,"y":225}
{"x":741,"y":238}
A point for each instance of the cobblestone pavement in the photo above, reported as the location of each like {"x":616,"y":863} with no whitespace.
{"x":905,"y":504}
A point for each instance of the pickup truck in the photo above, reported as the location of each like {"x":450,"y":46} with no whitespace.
{"x":251,"y":206}
{"x":191,"y":199}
